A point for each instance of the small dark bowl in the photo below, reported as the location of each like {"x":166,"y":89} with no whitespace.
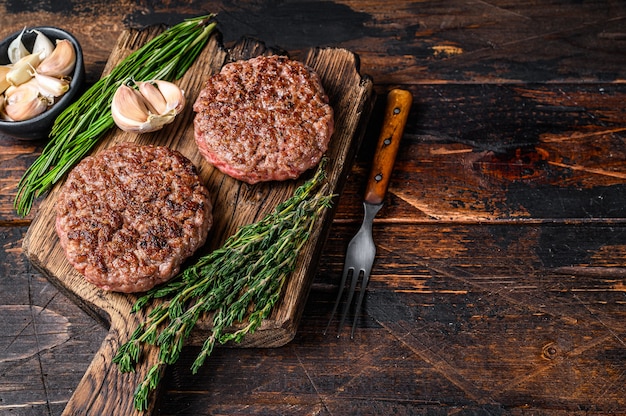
{"x":39,"y":127}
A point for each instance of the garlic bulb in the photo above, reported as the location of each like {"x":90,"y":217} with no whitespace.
{"x":61,"y":61}
{"x":25,"y":102}
{"x":17,"y":50}
{"x":148,"y":108}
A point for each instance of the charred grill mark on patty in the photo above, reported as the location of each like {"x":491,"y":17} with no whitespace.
{"x":128,"y":217}
{"x":263,"y":119}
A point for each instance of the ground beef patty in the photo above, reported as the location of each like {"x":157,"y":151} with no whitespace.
{"x":129,"y":216}
{"x":263,"y":119}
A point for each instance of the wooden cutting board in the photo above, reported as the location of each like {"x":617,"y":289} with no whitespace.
{"x":105,"y":391}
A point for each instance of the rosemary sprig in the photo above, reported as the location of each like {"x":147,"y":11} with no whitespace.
{"x":238,"y":283}
{"x":79,"y":127}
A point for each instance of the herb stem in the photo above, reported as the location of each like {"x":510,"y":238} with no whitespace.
{"x":79,"y":127}
{"x":236,"y":286}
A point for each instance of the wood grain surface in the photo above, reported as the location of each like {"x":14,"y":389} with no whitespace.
{"x":499,"y":285}
{"x":235,"y":204}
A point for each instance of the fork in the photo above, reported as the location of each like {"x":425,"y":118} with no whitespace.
{"x":361,"y":249}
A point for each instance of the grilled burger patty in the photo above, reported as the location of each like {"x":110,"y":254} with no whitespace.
{"x":263,"y":119}
{"x":129,"y":216}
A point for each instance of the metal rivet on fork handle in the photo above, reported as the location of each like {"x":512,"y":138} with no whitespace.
{"x":361,"y":249}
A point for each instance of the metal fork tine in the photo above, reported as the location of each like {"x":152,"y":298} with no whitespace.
{"x":361,"y":249}
{"x":364,"y":282}
{"x":346,"y":307}
{"x":342,"y":285}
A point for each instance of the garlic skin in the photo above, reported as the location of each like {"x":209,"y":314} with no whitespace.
{"x":20,"y":88}
{"x":150,"y":107}
{"x":17,"y":50}
{"x":164,"y":96}
{"x":60,"y":62}
{"x":155,"y":100}
{"x":21,"y":70}
{"x":51,"y":86}
{"x":43,"y":45}
{"x":37,"y":76}
{"x":128,"y":109}
{"x":25,"y":102}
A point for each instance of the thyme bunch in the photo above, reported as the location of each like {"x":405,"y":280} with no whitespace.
{"x":238,"y":283}
{"x":79,"y":127}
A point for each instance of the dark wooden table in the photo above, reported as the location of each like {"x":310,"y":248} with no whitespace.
{"x":499,"y":284}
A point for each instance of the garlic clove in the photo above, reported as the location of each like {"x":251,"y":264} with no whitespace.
{"x":128,"y":109}
{"x":32,"y":84}
{"x":24,"y":103}
{"x":17,"y":50}
{"x":4,"y":83}
{"x":25,"y":90}
{"x":9,"y":91}
{"x":173,"y":94}
{"x":61,"y":61}
{"x":43,"y":45}
{"x":153,"y":96}
{"x":20,"y":72}
{"x":51,"y":86}
{"x":162,"y":101}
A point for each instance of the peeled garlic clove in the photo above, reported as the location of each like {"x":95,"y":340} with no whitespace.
{"x":61,"y":61}
{"x":21,"y":71}
{"x":4,"y":83}
{"x":25,"y":103}
{"x":128,"y":109}
{"x":43,"y":45}
{"x":17,"y":50}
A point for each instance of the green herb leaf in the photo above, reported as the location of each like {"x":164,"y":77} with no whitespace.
{"x":238,"y":283}
{"x":79,"y":127}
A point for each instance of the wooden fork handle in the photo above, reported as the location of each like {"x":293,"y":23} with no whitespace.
{"x":396,"y":114}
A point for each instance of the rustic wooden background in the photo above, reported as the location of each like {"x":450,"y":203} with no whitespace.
{"x":499,"y":284}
